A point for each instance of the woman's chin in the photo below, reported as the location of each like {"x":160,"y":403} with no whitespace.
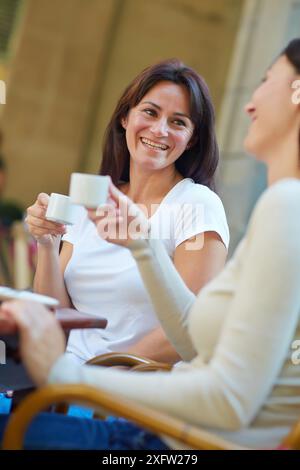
{"x":249,"y":145}
{"x":254,"y":149}
{"x":152,"y":164}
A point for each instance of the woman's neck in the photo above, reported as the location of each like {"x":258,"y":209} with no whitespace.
{"x":150,"y":186}
{"x":284,"y":162}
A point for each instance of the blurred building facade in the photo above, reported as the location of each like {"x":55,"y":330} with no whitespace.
{"x":69,"y":60}
{"x":74,"y":58}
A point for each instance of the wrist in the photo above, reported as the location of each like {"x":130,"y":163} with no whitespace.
{"x":49,"y":245}
{"x":137,"y":245}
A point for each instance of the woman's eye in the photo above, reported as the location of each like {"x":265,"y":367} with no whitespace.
{"x":179,"y":122}
{"x":150,"y":112}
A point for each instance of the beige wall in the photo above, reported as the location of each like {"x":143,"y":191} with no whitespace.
{"x":200,"y":32}
{"x":72,"y":61}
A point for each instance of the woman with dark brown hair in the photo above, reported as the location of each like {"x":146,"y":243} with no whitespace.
{"x":160,"y":150}
{"x":239,"y":336}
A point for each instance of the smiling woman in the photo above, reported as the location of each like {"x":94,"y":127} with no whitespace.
{"x":159,"y":129}
{"x":185,"y":100}
{"x":160,"y":150}
{"x":238,"y":379}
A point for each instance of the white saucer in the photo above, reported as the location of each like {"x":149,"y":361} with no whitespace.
{"x":6,"y":293}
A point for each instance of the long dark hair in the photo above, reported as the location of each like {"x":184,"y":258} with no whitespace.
{"x":200,"y":160}
{"x":292,"y":52}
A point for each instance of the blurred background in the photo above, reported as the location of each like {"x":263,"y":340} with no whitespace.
{"x":64,"y":64}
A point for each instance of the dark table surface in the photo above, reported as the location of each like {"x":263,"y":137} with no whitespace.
{"x":12,"y":372}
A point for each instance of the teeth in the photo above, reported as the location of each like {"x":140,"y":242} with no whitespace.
{"x":154,"y":145}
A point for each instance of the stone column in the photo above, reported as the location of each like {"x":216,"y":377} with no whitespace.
{"x":264,"y":29}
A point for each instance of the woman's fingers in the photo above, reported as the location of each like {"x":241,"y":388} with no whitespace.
{"x":30,"y":317}
{"x":39,"y":208}
{"x":7,"y":323}
{"x":119,"y":220}
{"x":37,"y":211}
{"x":39,"y":227}
{"x":43,"y":199}
{"x":38,"y":233}
{"x":42,"y":340}
{"x":15,"y":310}
{"x":40,"y":223}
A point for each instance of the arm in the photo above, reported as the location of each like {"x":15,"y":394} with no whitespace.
{"x":50,"y":267}
{"x":255,"y":339}
{"x":155,"y":346}
{"x":49,"y":277}
{"x":196,"y":268}
{"x":170,"y":295}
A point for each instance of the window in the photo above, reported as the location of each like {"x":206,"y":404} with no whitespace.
{"x":8,"y":13}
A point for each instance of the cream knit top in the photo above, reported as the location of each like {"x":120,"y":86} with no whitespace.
{"x":236,"y":336}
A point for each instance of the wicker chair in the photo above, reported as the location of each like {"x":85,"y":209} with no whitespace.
{"x":117,"y":359}
{"x":186,"y":435}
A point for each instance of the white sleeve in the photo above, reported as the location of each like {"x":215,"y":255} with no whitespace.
{"x":228,"y":392}
{"x":201,"y":212}
{"x":171,"y":298}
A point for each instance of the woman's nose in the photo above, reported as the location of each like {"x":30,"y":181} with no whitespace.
{"x":249,"y":108}
{"x":160,"y":128}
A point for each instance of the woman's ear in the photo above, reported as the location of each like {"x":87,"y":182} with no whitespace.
{"x":296,"y":93}
{"x":124,"y":122}
{"x":190,"y":144}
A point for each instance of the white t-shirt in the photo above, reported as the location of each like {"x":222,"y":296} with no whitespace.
{"x":103,"y":278}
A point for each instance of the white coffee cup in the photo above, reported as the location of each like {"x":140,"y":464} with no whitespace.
{"x":89,"y":190}
{"x":60,"y":209}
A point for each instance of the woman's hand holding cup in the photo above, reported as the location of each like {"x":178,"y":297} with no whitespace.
{"x":120,"y":220}
{"x":43,"y":230}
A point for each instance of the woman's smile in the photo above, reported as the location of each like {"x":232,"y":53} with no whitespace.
{"x":153,"y":145}
{"x":159,"y":128}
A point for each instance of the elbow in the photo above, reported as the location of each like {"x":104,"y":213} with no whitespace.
{"x":239,"y":415}
{"x":237,"y":421}
{"x":231,"y":411}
